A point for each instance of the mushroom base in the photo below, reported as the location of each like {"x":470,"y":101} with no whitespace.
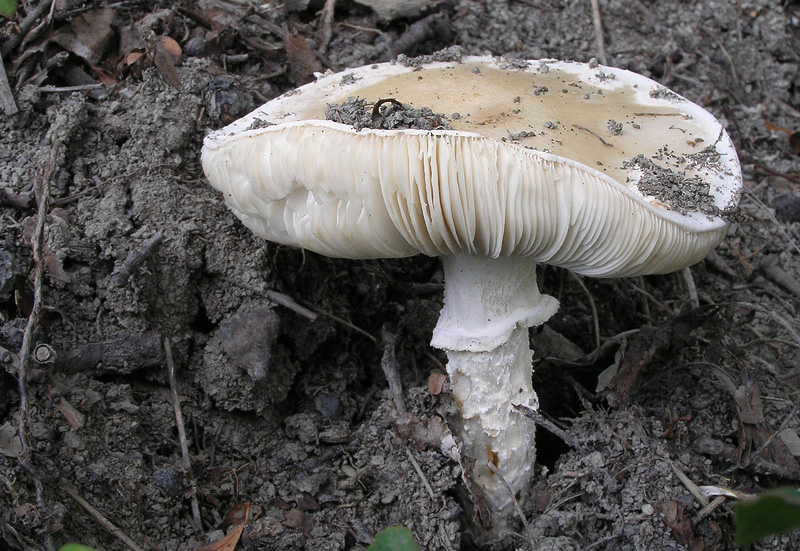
{"x":486,"y":387}
{"x":489,"y":305}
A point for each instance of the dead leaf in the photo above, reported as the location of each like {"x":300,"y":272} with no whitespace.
{"x":228,"y":543}
{"x":633,"y":360}
{"x":297,"y":519}
{"x":238,"y":514}
{"x":436,"y":383}
{"x":793,"y":137}
{"x":680,"y":525}
{"x":52,"y":263}
{"x":303,"y":63}
{"x":88,"y":35}
{"x":754,"y":433}
{"x":162,"y":60}
{"x":422,"y":432}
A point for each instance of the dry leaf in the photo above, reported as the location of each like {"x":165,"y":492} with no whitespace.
{"x":162,"y":60}
{"x":680,"y":525}
{"x":88,"y":35}
{"x":303,"y":63}
{"x":436,"y":383}
{"x":228,"y":543}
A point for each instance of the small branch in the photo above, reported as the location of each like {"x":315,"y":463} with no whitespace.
{"x":549,"y":426}
{"x":6,"y":97}
{"x":78,"y":88}
{"x":101,"y":520}
{"x":37,"y":243}
{"x":783,"y":426}
{"x":595,"y":134}
{"x":288,"y":302}
{"x":517,"y":508}
{"x":327,"y":25}
{"x":595,"y":317}
{"x":421,"y":474}
{"x":135,"y":258}
{"x":598,"y":33}
{"x":187,"y":462}
{"x":688,"y":280}
{"x":26,"y":25}
{"x":389,"y":366}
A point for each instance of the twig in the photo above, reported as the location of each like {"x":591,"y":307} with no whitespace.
{"x":688,"y":280}
{"x":518,"y":509}
{"x":6,"y":97}
{"x":187,"y":462}
{"x":548,"y":425}
{"x":598,"y":32}
{"x":101,"y":520}
{"x":78,"y":88}
{"x":347,"y":324}
{"x":595,"y":318}
{"x":693,"y":488}
{"x":26,"y":25}
{"x":784,"y":424}
{"x":389,"y":366}
{"x":327,"y":25}
{"x":134,"y":259}
{"x":771,"y":217}
{"x":710,"y":508}
{"x":595,"y":134}
{"x":776,"y":274}
{"x":288,"y":302}
{"x":275,"y":296}
{"x":420,"y":473}
{"x":33,"y":321}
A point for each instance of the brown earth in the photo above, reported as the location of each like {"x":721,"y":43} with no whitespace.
{"x":292,"y":414}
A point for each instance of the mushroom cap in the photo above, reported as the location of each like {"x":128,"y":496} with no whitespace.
{"x":598,"y":170}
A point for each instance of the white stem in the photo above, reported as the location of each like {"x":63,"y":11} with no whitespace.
{"x":489,"y":305}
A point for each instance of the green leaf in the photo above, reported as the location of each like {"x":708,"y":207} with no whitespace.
{"x":8,"y":8}
{"x":394,"y":538}
{"x":773,"y":512}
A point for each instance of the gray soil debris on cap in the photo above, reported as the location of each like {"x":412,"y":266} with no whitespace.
{"x":453,"y":53}
{"x":349,"y":78}
{"x":681,"y":193}
{"x":385,"y":114}
{"x":665,"y":93}
{"x":259,"y":123}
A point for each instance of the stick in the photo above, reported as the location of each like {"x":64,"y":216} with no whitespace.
{"x":502,"y":480}
{"x":187,"y":462}
{"x":37,"y":243}
{"x":27,"y":24}
{"x":288,"y":302}
{"x":6,"y":97}
{"x":389,"y":366}
{"x":327,"y":25}
{"x":134,"y":259}
{"x":688,"y":280}
{"x":101,"y":520}
{"x":549,"y":426}
{"x":595,"y":318}
{"x":598,"y":32}
{"x":421,"y":474}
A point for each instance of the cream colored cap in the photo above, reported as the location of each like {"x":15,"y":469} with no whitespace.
{"x":545,"y":159}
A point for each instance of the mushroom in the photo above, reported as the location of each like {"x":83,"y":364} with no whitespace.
{"x":495,"y":166}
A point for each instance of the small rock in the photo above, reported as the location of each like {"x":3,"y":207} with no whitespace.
{"x":169,"y":481}
{"x":328,"y":405}
{"x":787,"y":205}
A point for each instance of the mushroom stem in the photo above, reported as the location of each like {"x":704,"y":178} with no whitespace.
{"x":489,"y":305}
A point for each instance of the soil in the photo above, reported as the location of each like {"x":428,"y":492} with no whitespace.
{"x":149,"y":281}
